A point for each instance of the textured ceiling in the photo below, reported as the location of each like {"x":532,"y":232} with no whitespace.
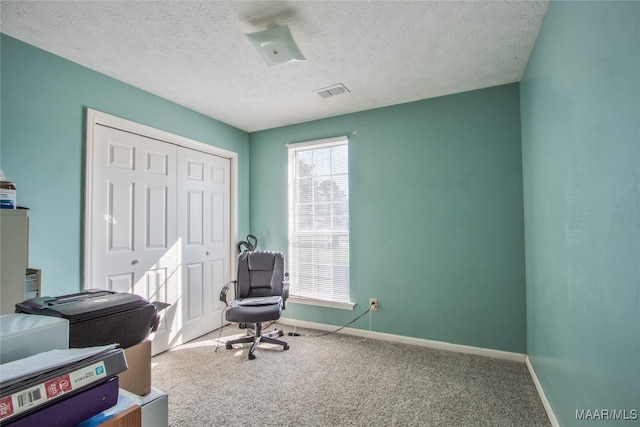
{"x":196,"y":53}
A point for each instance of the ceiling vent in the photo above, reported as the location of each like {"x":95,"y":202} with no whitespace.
{"x":334,"y":90}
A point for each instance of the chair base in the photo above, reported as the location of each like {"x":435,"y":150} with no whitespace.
{"x":256,"y":337}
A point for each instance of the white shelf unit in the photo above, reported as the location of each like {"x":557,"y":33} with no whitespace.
{"x":14,"y":254}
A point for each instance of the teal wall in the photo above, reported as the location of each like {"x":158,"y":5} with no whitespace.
{"x":43,"y":104}
{"x":580,"y":101}
{"x":436,"y":217}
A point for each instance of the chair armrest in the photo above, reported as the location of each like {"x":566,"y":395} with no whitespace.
{"x":285,"y":290}
{"x":225,"y":291}
{"x":285,"y":286}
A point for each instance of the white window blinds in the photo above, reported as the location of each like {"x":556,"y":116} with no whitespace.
{"x":319,"y":220}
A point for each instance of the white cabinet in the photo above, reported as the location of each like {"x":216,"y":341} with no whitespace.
{"x":14,"y":249}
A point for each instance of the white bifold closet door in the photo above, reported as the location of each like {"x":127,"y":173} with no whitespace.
{"x":160,"y":228}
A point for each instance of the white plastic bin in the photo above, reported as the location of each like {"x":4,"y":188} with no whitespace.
{"x":24,"y":335}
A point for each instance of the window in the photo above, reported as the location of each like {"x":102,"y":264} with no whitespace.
{"x":319,"y":220}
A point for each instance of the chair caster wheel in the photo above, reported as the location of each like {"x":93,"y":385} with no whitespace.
{"x":252,"y":356}
{"x":280,"y":333}
{"x":286,"y":347}
{"x":228,"y":346}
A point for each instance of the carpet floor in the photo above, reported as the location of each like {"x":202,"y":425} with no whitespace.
{"x":341,"y":380}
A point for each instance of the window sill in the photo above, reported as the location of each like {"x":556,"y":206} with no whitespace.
{"x":321,"y":303}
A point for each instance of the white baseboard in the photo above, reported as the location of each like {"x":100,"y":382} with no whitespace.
{"x":541,"y":393}
{"x":440,"y":345}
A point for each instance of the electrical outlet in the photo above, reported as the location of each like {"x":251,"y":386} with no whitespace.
{"x":373,"y":304}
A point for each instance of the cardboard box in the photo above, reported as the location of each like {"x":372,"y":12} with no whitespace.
{"x":137,"y":378}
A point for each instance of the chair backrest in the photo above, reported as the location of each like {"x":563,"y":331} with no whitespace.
{"x":260,"y":274}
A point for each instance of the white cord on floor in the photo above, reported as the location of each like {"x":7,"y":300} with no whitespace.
{"x":366,"y":338}
{"x":221,"y":326}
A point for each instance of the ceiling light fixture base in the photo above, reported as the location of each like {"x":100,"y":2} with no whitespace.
{"x":276,"y":45}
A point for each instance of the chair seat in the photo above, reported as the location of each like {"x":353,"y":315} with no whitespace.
{"x":260,"y":301}
{"x":254,"y":310}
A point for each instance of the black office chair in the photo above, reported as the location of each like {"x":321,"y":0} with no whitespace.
{"x":261,"y":292}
